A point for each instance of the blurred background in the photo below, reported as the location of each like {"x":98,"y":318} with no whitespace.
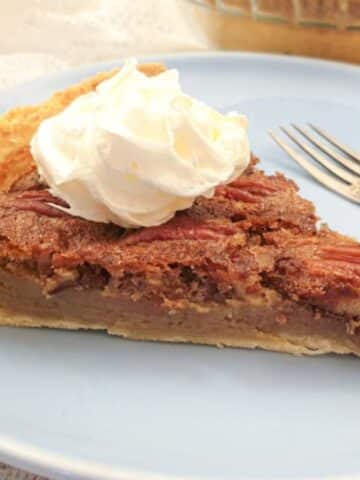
{"x":42,"y":36}
{"x":320,"y":28}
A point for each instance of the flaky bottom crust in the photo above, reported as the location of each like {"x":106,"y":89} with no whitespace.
{"x":250,"y":339}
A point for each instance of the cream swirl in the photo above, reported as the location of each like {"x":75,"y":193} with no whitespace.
{"x":137,"y":149}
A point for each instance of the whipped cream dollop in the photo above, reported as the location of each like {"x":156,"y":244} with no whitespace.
{"x":137,"y":149}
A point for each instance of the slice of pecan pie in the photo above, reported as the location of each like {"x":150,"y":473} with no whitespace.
{"x":246,"y":268}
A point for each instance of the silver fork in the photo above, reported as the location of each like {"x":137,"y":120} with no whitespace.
{"x":345,"y":167}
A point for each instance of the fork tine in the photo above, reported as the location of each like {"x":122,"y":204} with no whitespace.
{"x":315,"y":172}
{"x":350,"y":164}
{"x":335,"y":142}
{"x":340,"y":172}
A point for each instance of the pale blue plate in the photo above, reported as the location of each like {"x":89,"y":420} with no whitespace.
{"x":82,"y":405}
